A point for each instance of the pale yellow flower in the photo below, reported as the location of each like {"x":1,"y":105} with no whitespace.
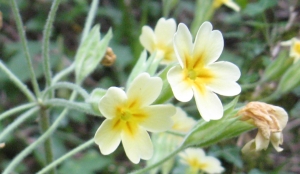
{"x":270,"y":120}
{"x":182,"y":122}
{"x":130,"y":115}
{"x":160,"y":40}
{"x":228,"y":3}
{"x":294,"y":48}
{"x":198,"y":161}
{"x":198,"y":74}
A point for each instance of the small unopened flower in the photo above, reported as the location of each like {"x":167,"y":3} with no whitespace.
{"x":228,"y":3}
{"x":198,"y":161}
{"x":198,"y":74}
{"x":270,"y":121}
{"x":130,"y":115}
{"x":109,"y":57}
{"x":160,"y":40}
{"x":294,"y":48}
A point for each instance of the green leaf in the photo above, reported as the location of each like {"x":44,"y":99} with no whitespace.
{"x":277,"y":67}
{"x":290,"y":79}
{"x":90,"y":53}
{"x":259,"y":7}
{"x":18,"y":64}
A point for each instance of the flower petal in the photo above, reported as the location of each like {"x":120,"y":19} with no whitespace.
{"x":181,"y":89}
{"x":208,"y":44}
{"x":225,"y":88}
{"x":208,"y":104}
{"x":138,"y":145}
{"x":183,"y":43}
{"x":276,"y":140}
{"x":225,"y":70}
{"x":281,"y":115}
{"x":148,"y":39}
{"x":113,"y":98}
{"x":261,"y":142}
{"x":212,"y":165}
{"x":107,"y":137}
{"x":144,"y":89}
{"x":159,"y":118}
{"x":232,"y":5}
{"x":165,"y":30}
{"x":249,"y":147}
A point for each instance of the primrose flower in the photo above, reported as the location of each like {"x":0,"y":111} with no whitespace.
{"x":198,"y":74}
{"x":160,"y":40}
{"x":228,"y":3}
{"x":129,"y":116}
{"x":198,"y":161}
{"x":294,"y":48}
{"x":270,"y":120}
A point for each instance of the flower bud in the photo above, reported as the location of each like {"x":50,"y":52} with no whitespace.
{"x":109,"y":57}
{"x":270,"y":120}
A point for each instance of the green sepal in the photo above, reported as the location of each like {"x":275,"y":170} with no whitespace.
{"x":277,"y":67}
{"x":94,"y":99}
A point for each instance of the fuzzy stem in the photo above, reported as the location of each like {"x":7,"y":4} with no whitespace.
{"x":25,"y":46}
{"x":16,"y":109}
{"x":62,"y":73}
{"x":90,"y":19}
{"x":145,"y":170}
{"x":66,"y":156}
{"x":40,"y":140}
{"x":68,"y":85}
{"x":44,"y":125}
{"x":17,"y":82}
{"x":80,"y":106}
{"x":46,"y":40}
{"x":17,"y":122}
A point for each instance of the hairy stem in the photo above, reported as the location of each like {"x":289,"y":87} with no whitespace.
{"x":147,"y":169}
{"x":66,"y":156}
{"x":17,"y":82}
{"x":16,"y":110}
{"x":17,"y":122}
{"x":44,"y":125}
{"x":40,"y":140}
{"x":46,"y":40}
{"x":25,"y":46}
{"x":90,"y":19}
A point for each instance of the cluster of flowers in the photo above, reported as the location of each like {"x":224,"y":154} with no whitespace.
{"x":195,"y":73}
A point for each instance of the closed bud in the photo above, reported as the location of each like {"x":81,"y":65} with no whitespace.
{"x":109,"y":57}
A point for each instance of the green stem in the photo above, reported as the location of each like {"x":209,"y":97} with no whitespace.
{"x":17,"y":82}
{"x":16,"y":110}
{"x":90,"y":19}
{"x":66,"y":156}
{"x":273,"y":96}
{"x":44,"y":125}
{"x":251,"y":85}
{"x":25,"y":46}
{"x":40,"y":140}
{"x":63,"y":73}
{"x":17,"y":122}
{"x":68,"y":85}
{"x":175,"y":133}
{"x":80,"y":106}
{"x":46,"y":40}
{"x":144,"y":170}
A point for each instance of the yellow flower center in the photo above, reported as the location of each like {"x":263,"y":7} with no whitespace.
{"x":297,"y":47}
{"x":196,"y":164}
{"x":125,"y":115}
{"x":192,"y":74}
